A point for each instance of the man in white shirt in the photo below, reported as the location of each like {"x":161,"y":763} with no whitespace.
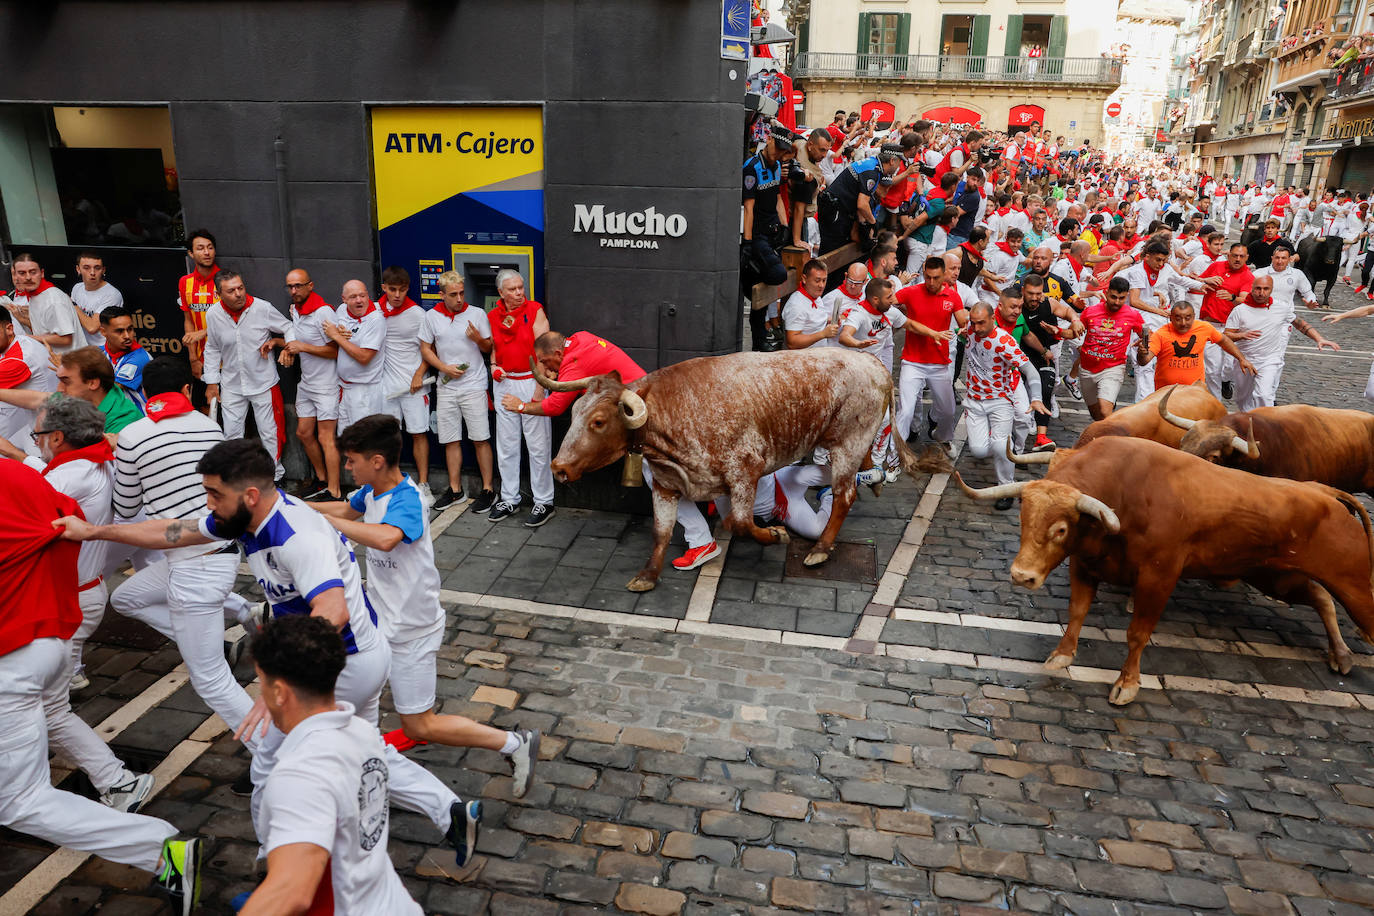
{"x":846,"y":296}
{"x":1290,"y":284}
{"x":388,"y":517}
{"x":807,"y":320}
{"x":92,"y":296}
{"x":1259,"y":326}
{"x":455,"y":339}
{"x":241,"y":333}
{"x":25,"y":364}
{"x":869,"y":326}
{"x":317,"y":395}
{"x":359,"y":331}
{"x":1147,"y":208}
{"x":325,"y":804}
{"x":403,"y":369}
{"x":45,"y":312}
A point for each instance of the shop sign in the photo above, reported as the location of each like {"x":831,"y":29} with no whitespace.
{"x":619,"y":229}
{"x":1345,"y":130}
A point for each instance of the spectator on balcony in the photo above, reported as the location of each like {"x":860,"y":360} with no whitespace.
{"x":1033,"y":64}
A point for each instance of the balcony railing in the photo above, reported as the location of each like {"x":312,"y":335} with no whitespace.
{"x":959,"y":68}
{"x":1353,"y":82}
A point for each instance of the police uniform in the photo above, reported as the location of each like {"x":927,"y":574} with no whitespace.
{"x":761,"y":184}
{"x":839,"y":203}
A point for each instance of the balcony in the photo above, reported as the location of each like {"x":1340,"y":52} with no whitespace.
{"x":1353,"y":83}
{"x":1302,"y":56}
{"x":1250,"y":51}
{"x":943,"y":68}
{"x":1204,"y":113}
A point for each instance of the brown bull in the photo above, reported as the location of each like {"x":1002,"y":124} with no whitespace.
{"x":1334,"y":447}
{"x":1143,"y":420}
{"x":1134,"y":512}
{"x":715,"y":425}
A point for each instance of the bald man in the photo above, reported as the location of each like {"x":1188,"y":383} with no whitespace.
{"x":317,"y":396}
{"x":849,"y":294}
{"x":359,"y":331}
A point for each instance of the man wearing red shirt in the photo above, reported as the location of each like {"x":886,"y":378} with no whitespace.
{"x":196,"y":294}
{"x":1110,"y":324}
{"x":1236,"y":280}
{"x":39,"y":612}
{"x":515,"y":323}
{"x":929,"y":307}
{"x":583,"y":355}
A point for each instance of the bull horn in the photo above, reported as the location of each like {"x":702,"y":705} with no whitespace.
{"x":1180,"y":422}
{"x":633,"y":409}
{"x":988,"y":494}
{"x":1247,"y":445}
{"x":1088,"y":505}
{"x":1033,"y":458}
{"x":551,"y":385}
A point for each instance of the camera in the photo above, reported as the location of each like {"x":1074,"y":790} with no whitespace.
{"x":990,"y":154}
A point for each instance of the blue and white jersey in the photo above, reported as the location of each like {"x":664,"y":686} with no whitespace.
{"x":295,"y":554}
{"x":402,"y":583}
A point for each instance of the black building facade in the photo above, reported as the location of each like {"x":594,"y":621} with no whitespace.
{"x":590,"y":143}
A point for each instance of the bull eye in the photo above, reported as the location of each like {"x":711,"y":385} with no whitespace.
{"x":598,"y":423}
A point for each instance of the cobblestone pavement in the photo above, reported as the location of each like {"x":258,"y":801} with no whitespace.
{"x":746,"y":739}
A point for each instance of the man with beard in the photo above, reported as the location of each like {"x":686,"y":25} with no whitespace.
{"x":1042,"y":314}
{"x":305,"y":568}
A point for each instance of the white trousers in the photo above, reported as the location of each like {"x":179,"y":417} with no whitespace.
{"x":538,"y":433}
{"x":360,"y":683}
{"x":1022,"y":420}
{"x":1351,"y":261}
{"x":988,"y":425}
{"x":911,"y":382}
{"x":1218,"y":366}
{"x":233,"y":408}
{"x":184,"y":600}
{"x":1258,"y":390}
{"x":695,"y":528}
{"x":69,"y":734}
{"x":916,"y":254}
{"x":28,"y":801}
{"x":781,"y":496}
{"x":93,"y":601}
{"x":883,"y":452}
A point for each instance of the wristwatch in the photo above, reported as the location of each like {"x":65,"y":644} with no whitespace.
{"x":521,"y":408}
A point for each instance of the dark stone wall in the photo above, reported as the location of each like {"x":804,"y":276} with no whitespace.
{"x":639,"y":111}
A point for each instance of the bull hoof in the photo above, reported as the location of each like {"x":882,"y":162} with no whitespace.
{"x":877,"y":488}
{"x":815,"y":558}
{"x":780,"y":535}
{"x":1058,"y":662}
{"x":1340,"y":662}
{"x":1121,"y":694}
{"x":641,"y":584}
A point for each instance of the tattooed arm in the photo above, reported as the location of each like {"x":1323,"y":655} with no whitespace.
{"x":155,"y":534}
{"x":1302,"y":327}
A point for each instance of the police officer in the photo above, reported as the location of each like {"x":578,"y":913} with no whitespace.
{"x":765,"y":219}
{"x":849,"y":197}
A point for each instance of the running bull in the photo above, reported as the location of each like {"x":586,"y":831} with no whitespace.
{"x":1137,"y":513}
{"x":1144,"y":421}
{"x":715,"y":425}
{"x":1334,"y":447}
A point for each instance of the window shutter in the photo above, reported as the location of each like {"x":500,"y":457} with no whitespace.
{"x":864,"y":36}
{"x":978,"y":45}
{"x":1013,"y":48}
{"x":903,"y":33}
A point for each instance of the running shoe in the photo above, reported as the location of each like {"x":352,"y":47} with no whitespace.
{"x":179,"y":873}
{"x":243,"y":786}
{"x":79,"y":679}
{"x":697,"y":556}
{"x":129,"y":795}
{"x":891,"y":474}
{"x":1071,"y":384}
{"x":869,"y":477}
{"x":448,"y":498}
{"x":483,"y":502}
{"x":502,"y":510}
{"x":1043,"y":443}
{"x":1227,"y":390}
{"x":539,"y":515}
{"x":323,"y":496}
{"x":523,"y":758}
{"x":462,"y":829}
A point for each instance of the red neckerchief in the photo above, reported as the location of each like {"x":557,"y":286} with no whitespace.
{"x":43,"y":286}
{"x":1003,"y":211}
{"x":442,"y":309}
{"x":96,"y":452}
{"x":1250,"y":301}
{"x":1077,"y":267}
{"x":968,"y":246}
{"x":1006,"y":246}
{"x":116,"y":356}
{"x":1151,"y":279}
{"x":815,"y":303}
{"x":312,"y":303}
{"x":388,"y":312}
{"x":239,"y":314}
{"x":1019,"y":209}
{"x":168,"y":404}
{"x":869,"y":307}
{"x":1097,"y":233}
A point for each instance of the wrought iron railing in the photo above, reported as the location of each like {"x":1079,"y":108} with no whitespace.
{"x":958,"y":68}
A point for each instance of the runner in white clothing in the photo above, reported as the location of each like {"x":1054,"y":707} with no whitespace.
{"x":359,"y":331}
{"x":868,"y":326}
{"x":317,"y":395}
{"x":325,"y":805}
{"x":1259,"y":326}
{"x":403,"y":369}
{"x":1290,"y":284}
{"x":808,"y":322}
{"x":45,"y":312}
{"x":25,"y":364}
{"x":92,"y":296}
{"x":240,"y":334}
{"x":388,"y":517}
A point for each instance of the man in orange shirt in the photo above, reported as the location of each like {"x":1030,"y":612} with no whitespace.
{"x":196,"y":295}
{"x":1179,"y":345}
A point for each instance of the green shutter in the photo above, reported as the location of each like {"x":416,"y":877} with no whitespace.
{"x":903,"y":33}
{"x":1013,"y":48}
{"x":864,"y":37}
{"x":978,"y":46}
{"x":1059,"y":39}
{"x":804,"y":37}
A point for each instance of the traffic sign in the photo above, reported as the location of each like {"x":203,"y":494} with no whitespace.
{"x":1113,"y":109}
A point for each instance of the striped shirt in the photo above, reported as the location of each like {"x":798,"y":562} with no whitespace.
{"x":155,"y":471}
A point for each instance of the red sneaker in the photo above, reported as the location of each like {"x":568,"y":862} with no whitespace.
{"x":697,"y":556}
{"x":1360,"y":288}
{"x":398,"y":740}
{"x":1043,"y":443}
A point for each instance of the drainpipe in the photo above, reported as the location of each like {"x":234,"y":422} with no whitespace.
{"x":283,"y":202}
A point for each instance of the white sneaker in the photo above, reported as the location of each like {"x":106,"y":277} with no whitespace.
{"x":79,"y":679}
{"x":891,"y":475}
{"x":129,"y":795}
{"x":869,"y":477}
{"x":426,"y":494}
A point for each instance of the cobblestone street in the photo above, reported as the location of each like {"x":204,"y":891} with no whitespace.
{"x":754,"y":738}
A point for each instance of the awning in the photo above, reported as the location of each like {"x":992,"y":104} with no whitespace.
{"x":1313,"y":151}
{"x":887,"y":113}
{"x":953,"y":114}
{"x":1307,"y":79}
{"x":1023,"y":115}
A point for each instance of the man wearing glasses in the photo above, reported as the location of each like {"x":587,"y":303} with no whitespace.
{"x":847,"y":296}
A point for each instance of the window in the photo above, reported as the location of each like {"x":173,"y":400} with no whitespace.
{"x":883,"y":29}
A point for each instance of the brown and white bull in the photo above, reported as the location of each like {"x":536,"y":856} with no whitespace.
{"x":1334,"y":447}
{"x":715,"y":425}
{"x":1132,"y":512}
{"x":1144,"y":421}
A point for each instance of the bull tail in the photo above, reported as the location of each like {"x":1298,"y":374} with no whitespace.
{"x":1352,"y":505}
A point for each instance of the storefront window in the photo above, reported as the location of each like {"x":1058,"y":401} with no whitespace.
{"x":88,"y":176}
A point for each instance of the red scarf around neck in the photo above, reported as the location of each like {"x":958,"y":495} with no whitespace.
{"x":969,"y":247}
{"x":313,"y":303}
{"x":96,"y":453}
{"x":388,"y":311}
{"x":43,"y":287}
{"x":1006,"y":246}
{"x":247,"y":304}
{"x":168,"y":404}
